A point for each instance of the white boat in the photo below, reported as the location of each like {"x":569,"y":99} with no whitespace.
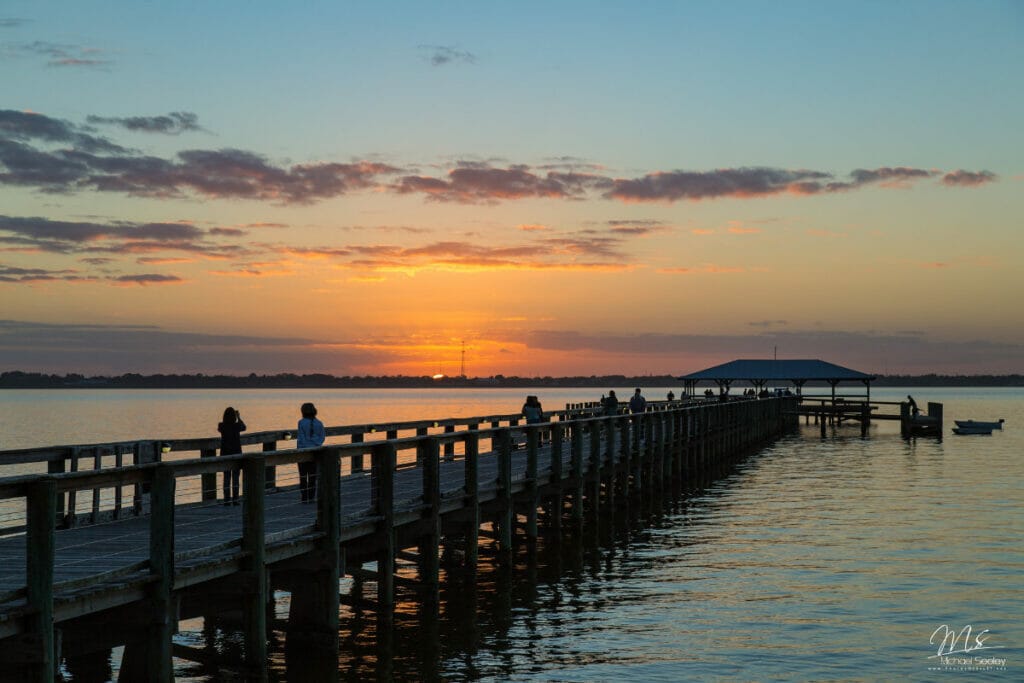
{"x":987,"y":431}
{"x":970,"y":424}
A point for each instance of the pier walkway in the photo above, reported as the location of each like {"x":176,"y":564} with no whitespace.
{"x":116,"y":555}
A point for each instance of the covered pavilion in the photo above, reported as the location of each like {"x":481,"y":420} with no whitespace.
{"x":760,"y":372}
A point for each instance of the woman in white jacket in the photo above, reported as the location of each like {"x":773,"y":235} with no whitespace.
{"x":311,"y":434}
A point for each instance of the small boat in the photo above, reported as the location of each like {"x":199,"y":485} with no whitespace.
{"x":987,"y":431}
{"x":980,"y":423}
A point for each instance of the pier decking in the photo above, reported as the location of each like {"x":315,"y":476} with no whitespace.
{"x":118,"y":554}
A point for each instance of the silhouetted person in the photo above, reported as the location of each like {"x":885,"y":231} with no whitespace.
{"x":311,"y":434}
{"x":532,"y":410}
{"x":913,"y":406}
{"x":231,"y":428}
{"x":637,"y":404}
{"x":671,"y":396}
{"x":611,"y":404}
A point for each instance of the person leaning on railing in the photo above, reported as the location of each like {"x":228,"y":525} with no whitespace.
{"x":310,"y":434}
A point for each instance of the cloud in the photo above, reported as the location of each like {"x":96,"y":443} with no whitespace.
{"x":14,"y":274}
{"x":11,"y":22}
{"x":673,"y":186}
{"x":96,"y":163}
{"x":144,"y":279}
{"x":637,"y":228}
{"x":890,"y":177}
{"x":711,"y":268}
{"x":60,"y":54}
{"x":57,"y":156}
{"x":21,"y":126}
{"x":116,"y":349}
{"x":473,"y":182}
{"x":440,"y":55}
{"x":175,"y":123}
{"x":572,"y":252}
{"x":165,"y":241}
{"x":963,"y":178}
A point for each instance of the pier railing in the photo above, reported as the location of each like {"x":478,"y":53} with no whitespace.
{"x":83,"y":506}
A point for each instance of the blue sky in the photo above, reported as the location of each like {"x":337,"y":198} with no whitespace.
{"x":734,"y":166}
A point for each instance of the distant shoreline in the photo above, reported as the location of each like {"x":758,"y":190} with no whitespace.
{"x":28,"y":380}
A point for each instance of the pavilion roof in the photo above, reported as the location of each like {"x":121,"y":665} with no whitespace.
{"x":787,"y":370}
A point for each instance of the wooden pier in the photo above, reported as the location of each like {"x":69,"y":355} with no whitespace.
{"x":837,"y":410}
{"x":118,"y":553}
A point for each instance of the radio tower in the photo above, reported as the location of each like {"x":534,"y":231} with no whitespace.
{"x":462,"y":368}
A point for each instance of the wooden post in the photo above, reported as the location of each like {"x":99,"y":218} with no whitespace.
{"x":54,"y":467}
{"x":383,"y":496}
{"x":557,"y":435}
{"x":158,"y":660}
{"x":472,"y":486}
{"x":449,"y":447}
{"x":332,"y":563}
{"x":576,"y":465}
{"x":505,"y":513}
{"x":40,"y":547}
{"x":208,"y":480}
{"x":612,"y":439}
{"x":428,"y":453}
{"x":357,"y":460}
{"x":270,"y":476}
{"x":71,"y":518}
{"x":254,"y":564}
{"x":532,"y":444}
{"x":97,"y":465}
{"x":594,"y":470}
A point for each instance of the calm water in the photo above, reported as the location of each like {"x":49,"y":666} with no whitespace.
{"x":814,"y":559}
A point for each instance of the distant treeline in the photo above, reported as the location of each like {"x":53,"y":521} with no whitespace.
{"x":35,"y":380}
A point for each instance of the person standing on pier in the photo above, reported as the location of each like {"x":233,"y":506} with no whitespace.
{"x":638,"y":403}
{"x":231,"y":428}
{"x":913,"y":406}
{"x":611,"y":404}
{"x":311,"y":434}
{"x":532,"y":410}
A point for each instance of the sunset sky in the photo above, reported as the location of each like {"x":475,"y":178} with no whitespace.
{"x":565,"y":188}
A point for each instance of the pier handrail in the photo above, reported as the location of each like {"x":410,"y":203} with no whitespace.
{"x":145,"y":479}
